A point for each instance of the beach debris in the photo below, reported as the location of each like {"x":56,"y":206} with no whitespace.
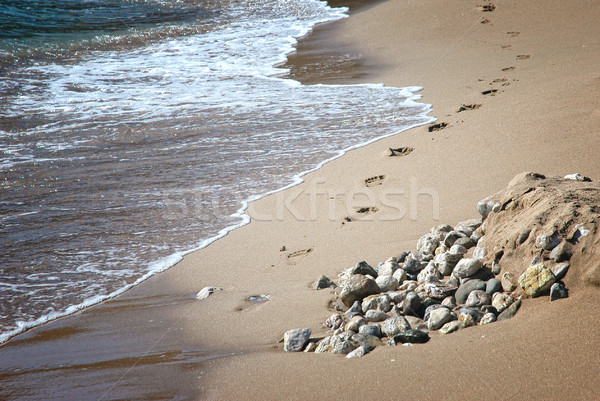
{"x":207,"y":292}
{"x":259,"y":299}
{"x":295,"y":340}
{"x":400,"y":151}
{"x":443,"y":286}
{"x":577,"y":177}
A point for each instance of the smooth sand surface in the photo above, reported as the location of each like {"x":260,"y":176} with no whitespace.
{"x":158,"y":342}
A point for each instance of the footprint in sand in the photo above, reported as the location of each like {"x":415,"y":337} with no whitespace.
{"x":400,"y":151}
{"x":501,"y":81}
{"x":367,"y":210}
{"x":466,"y":107}
{"x":513,"y":34}
{"x":484,"y":21}
{"x":437,"y":127}
{"x":296,"y":257}
{"x":490,"y":92}
{"x":489,"y":7}
{"x":374,"y":181}
{"x":523,"y":56}
{"x":506,"y":47}
{"x":508,"y":69}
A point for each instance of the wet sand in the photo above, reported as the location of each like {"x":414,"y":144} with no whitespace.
{"x":158,"y":342}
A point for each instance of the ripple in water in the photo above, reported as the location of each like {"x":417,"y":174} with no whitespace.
{"x":116,"y":164}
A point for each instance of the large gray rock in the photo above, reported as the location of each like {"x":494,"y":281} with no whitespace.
{"x":445,"y":262}
{"x":439,"y":291}
{"x":438,"y":318}
{"x":427,"y":244}
{"x":465,"y":289}
{"x":355,"y":323}
{"x":295,"y":340}
{"x":380,"y":302}
{"x":429,"y":274}
{"x":413,"y":336}
{"x":411,"y":304}
{"x":562,"y":252}
{"x":337,"y":344}
{"x":342,"y":344}
{"x":357,"y":288}
{"x":467,"y":267}
{"x":394,"y":325}
{"x":334,"y":321}
{"x":375,"y":315}
{"x":366,"y":340}
{"x":478,"y":298}
{"x":536,"y":280}
{"x":414,"y":263}
{"x":388,"y":268}
{"x":493,"y":286}
{"x":371,"y":329}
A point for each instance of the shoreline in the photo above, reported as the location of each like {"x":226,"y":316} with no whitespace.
{"x":158,"y":329}
{"x":169,"y":261}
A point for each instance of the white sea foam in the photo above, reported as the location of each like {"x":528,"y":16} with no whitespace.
{"x":161,"y":148}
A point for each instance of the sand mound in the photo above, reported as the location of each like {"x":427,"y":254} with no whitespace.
{"x":551,"y":209}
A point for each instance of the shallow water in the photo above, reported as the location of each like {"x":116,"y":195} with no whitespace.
{"x":125,"y":145}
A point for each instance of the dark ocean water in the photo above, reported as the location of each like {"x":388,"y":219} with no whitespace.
{"x":132,"y":132}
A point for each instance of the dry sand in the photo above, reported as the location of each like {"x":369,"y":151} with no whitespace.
{"x":158,"y":342}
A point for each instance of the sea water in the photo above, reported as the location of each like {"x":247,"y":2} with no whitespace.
{"x":132,"y":132}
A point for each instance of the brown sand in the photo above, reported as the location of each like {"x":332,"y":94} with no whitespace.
{"x":158,"y":342}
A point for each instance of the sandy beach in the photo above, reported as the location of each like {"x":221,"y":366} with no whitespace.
{"x":541,"y":62}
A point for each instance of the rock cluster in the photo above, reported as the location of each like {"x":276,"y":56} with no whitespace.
{"x":453,"y":280}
